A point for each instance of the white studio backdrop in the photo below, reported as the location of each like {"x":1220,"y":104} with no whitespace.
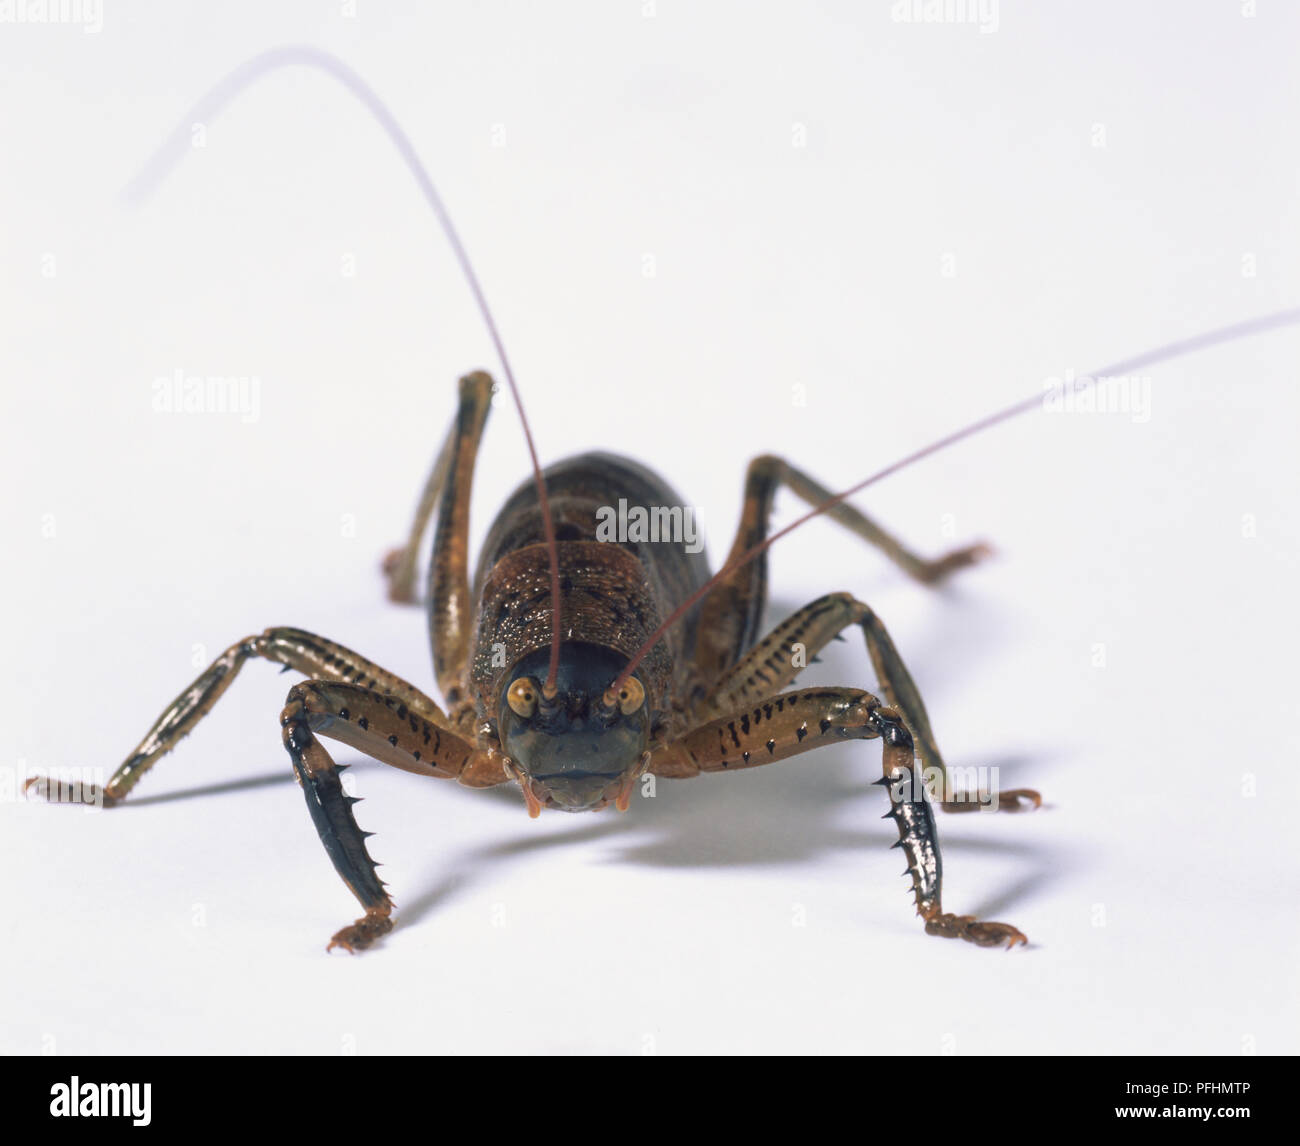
{"x":832,"y":231}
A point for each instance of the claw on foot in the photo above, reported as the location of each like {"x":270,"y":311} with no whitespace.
{"x":936,"y":570}
{"x":401,"y":580}
{"x":361,"y":934}
{"x":1016,"y":800}
{"x":1019,"y":800}
{"x":975,"y":931}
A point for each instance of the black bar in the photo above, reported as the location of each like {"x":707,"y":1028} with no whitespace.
{"x":1002,"y":1095}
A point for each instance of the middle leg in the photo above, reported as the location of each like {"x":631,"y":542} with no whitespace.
{"x":295,"y":649}
{"x":383,"y":727}
{"x":775,"y":661}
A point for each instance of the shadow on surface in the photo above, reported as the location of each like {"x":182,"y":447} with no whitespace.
{"x":270,"y":780}
{"x":745,"y":819}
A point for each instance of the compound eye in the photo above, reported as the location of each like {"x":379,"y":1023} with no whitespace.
{"x":522,"y":697}
{"x":631,"y":696}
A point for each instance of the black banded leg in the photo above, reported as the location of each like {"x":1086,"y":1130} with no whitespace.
{"x":732,"y":611}
{"x":383,"y":727}
{"x":776,"y":660}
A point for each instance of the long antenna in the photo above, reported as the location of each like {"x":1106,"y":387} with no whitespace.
{"x":1147,"y":358}
{"x":209,"y":106}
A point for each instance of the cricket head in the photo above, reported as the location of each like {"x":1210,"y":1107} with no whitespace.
{"x":583,"y":746}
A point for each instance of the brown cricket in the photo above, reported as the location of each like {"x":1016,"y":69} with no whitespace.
{"x":577,"y":731}
{"x":573,"y":664}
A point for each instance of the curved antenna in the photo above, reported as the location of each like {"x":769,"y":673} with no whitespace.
{"x":1147,"y":358}
{"x":210,"y":105}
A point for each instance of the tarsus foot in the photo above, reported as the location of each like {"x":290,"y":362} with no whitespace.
{"x":1015,"y":800}
{"x":974,"y":931}
{"x":68,"y":792}
{"x":400,"y":578}
{"x":940,"y":568}
{"x":361,"y":934}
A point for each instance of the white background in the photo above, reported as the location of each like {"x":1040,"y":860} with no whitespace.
{"x":1159,"y":889}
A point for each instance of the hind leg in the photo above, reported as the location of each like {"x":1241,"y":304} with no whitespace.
{"x":400,"y":564}
{"x":733,"y":610}
{"x":451,"y":618}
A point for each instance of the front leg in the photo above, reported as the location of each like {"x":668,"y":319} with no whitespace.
{"x":383,"y":727}
{"x":331,"y":812}
{"x":793,"y":723}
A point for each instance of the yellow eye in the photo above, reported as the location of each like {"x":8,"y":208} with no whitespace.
{"x":631,"y":696}
{"x":522,"y":697}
